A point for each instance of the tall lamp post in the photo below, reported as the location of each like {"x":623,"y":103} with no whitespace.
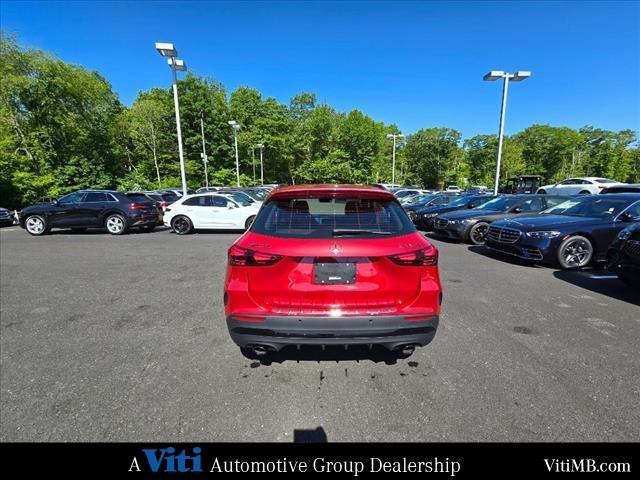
{"x":203,"y":155}
{"x":261,"y":147}
{"x":393,"y":161}
{"x":506,"y":76}
{"x":169,"y":51}
{"x":236,"y":126}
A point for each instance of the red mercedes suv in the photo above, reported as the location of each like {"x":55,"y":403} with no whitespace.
{"x":332,"y":265}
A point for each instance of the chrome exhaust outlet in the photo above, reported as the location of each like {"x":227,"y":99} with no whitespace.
{"x":260,"y":350}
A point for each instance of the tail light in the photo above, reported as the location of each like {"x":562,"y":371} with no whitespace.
{"x":243,"y":257}
{"x":427,"y":257}
{"x":137,"y":206}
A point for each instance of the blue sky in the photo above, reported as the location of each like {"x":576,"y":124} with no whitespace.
{"x":417,"y":64}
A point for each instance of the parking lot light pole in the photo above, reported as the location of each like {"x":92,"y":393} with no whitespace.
{"x":506,"y":77}
{"x":253,"y":163}
{"x":261,"y":147}
{"x":236,"y":126}
{"x":204,"y":151}
{"x":169,"y":51}
{"x":393,"y":157}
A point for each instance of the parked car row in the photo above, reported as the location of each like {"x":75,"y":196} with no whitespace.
{"x":119,"y":212}
{"x":570,"y":232}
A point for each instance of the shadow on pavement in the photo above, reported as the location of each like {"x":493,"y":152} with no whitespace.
{"x":439,"y":238}
{"x":317,"y":435}
{"x":354,"y":353}
{"x":600,"y":281}
{"x":487,"y":252}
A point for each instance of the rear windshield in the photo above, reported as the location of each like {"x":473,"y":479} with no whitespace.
{"x":137,"y":197}
{"x":332,"y":217}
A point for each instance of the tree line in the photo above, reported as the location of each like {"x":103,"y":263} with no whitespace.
{"x":63,"y":128}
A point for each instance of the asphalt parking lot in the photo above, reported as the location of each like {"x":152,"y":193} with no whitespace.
{"x":123,"y":339}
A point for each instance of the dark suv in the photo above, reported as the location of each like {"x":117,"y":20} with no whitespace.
{"x":116,"y":211}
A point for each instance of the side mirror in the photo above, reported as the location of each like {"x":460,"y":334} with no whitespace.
{"x":627,"y":217}
{"x":55,"y":202}
{"x":516,"y":210}
{"x":472,"y":205}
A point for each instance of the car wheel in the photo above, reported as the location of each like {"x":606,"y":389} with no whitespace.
{"x":116,"y":224}
{"x":182,"y":225}
{"x":478,"y":233}
{"x":542,"y":192}
{"x":249,"y":222}
{"x":575,"y":252}
{"x":585,"y":192}
{"x":147,"y":228}
{"x":36,"y":225}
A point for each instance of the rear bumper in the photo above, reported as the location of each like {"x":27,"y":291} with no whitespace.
{"x":276,"y":332}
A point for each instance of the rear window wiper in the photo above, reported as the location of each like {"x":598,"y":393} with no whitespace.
{"x":346,"y":231}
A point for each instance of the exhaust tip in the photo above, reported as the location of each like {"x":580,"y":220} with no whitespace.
{"x":406,"y":350}
{"x":260,"y":350}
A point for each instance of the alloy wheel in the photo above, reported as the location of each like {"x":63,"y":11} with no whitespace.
{"x":35,"y":225}
{"x":115,"y":224}
{"x":577,"y":253}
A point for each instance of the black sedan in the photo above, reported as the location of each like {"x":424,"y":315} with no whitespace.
{"x":570,"y":235}
{"x":471,"y":225}
{"x":424,"y":217}
{"x":429,"y":200}
{"x":115,"y":211}
{"x":623,"y":256}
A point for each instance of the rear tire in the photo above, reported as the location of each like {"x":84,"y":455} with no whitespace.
{"x":478,"y":232}
{"x":116,"y":224}
{"x":36,"y":225}
{"x":182,"y":225}
{"x":249,"y":222}
{"x":575,"y":252}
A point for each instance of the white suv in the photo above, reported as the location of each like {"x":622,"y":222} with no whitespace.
{"x":208,"y":211}
{"x":578,"y":186}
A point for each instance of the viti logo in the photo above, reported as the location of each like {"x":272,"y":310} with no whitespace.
{"x":166,"y":460}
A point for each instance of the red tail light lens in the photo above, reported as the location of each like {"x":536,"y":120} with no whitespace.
{"x":243,"y":257}
{"x":137,"y":206}
{"x":427,"y":257}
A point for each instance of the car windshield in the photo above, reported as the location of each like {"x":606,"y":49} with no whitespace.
{"x":499,"y":204}
{"x":332,"y":218}
{"x":422,"y":199}
{"x":461,"y":202}
{"x":591,"y":207}
{"x":169,"y":197}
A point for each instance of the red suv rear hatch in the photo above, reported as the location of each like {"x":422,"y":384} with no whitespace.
{"x":333,"y":250}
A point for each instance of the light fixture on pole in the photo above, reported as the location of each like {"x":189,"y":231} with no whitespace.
{"x":236,"y":126}
{"x":203,"y":155}
{"x":261,"y":147}
{"x":393,"y":161}
{"x":169,"y":51}
{"x":492,"y":76}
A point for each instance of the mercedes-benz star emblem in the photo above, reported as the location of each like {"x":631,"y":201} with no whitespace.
{"x":335,"y":249}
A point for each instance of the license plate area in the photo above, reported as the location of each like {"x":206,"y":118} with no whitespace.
{"x":334,"y":273}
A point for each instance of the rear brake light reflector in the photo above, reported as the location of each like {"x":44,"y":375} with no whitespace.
{"x":243,"y":257}
{"x":426,"y":257}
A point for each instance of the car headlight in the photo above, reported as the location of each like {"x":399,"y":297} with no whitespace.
{"x":543,"y":234}
{"x":429,"y":215}
{"x":458,"y":222}
{"x":624,"y":234}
